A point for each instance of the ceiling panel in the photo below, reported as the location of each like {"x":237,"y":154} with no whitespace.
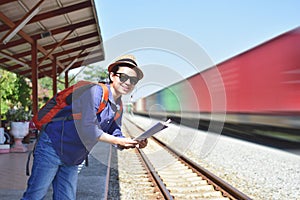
{"x":51,"y":28}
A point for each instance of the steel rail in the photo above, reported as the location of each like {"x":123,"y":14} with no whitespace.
{"x":227,"y":189}
{"x":106,"y":191}
{"x":157,"y":179}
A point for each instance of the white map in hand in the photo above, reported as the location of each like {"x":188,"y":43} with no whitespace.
{"x":154,"y":129}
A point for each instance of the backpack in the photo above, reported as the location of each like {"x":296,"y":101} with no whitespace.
{"x":64,"y":98}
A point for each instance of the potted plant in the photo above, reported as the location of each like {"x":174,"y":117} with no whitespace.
{"x":19,"y":126}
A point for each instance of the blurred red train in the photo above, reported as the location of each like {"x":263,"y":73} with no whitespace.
{"x":258,"y":87}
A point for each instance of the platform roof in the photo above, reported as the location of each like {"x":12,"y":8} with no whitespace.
{"x":66,"y":31}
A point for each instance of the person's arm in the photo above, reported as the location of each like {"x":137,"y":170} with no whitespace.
{"x":117,"y":133}
{"x":121,"y":142}
{"x":87,"y":104}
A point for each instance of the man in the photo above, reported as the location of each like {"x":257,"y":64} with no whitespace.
{"x":64,"y":144}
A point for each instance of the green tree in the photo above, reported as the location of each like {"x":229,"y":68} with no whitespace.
{"x":45,"y":88}
{"x":94,"y":73}
{"x":6,"y":88}
{"x":23,"y":92}
{"x":15,"y":91}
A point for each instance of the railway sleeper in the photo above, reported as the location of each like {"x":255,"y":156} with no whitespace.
{"x":178,"y":179}
{"x":191,"y":184}
{"x":198,"y":196}
{"x":200,"y":189}
{"x":183,"y":176}
{"x":172,"y":172}
{"x":126,"y":180}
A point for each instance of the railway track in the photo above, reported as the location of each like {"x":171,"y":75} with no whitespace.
{"x":159,"y":172}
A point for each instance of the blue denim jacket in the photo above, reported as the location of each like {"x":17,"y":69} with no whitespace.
{"x":73,"y":139}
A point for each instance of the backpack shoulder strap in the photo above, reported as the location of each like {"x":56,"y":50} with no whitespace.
{"x":119,"y":112}
{"x":104,"y":99}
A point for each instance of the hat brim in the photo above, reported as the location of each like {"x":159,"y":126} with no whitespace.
{"x":126,"y":64}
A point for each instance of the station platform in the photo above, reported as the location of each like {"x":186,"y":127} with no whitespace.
{"x":91,"y":178}
{"x":254,"y":169}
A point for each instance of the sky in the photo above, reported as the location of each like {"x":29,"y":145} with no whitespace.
{"x":220,"y":30}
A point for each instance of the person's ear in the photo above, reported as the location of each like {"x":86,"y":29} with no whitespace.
{"x":111,"y":75}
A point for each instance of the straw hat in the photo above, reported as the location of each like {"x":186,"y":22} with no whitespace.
{"x":128,"y":61}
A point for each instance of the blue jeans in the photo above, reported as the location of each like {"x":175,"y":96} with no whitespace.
{"x":47,"y":168}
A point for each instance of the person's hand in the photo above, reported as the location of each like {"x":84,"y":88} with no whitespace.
{"x":126,"y":143}
{"x":142,"y":144}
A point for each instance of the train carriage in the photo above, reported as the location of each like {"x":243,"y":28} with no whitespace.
{"x":258,"y":87}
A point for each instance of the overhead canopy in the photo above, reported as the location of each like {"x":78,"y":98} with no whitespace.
{"x":66,"y":32}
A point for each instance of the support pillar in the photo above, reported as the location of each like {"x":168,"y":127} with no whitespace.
{"x":67,"y":79}
{"x":54,"y":77}
{"x":34,"y":71}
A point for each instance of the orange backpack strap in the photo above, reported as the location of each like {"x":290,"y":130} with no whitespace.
{"x":104,"y":99}
{"x":119,"y":112}
{"x":102,"y":105}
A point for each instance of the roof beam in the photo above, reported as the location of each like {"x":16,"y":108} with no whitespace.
{"x":57,"y":45}
{"x":6,"y":1}
{"x":26,"y":37}
{"x":53,"y":32}
{"x":81,"y":38}
{"x":91,"y":45}
{"x":77,"y":64}
{"x":11,"y":24}
{"x":72,"y":63}
{"x":61,"y":11}
{"x":53,"y":13}
{"x":20,"y":62}
{"x":70,"y":52}
{"x":21,"y":23}
{"x":67,"y":28}
{"x":87,"y":46}
{"x":64,"y":61}
{"x":77,"y":39}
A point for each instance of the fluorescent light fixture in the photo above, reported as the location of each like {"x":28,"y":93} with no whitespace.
{"x":13,"y":59}
{"x":20,"y":26}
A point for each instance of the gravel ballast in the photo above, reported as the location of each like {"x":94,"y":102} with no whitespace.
{"x":258,"y":171}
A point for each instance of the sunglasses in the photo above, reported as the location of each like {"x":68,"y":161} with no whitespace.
{"x":124,"y":77}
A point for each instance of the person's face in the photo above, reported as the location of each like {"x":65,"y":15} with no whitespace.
{"x":124,"y":80}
